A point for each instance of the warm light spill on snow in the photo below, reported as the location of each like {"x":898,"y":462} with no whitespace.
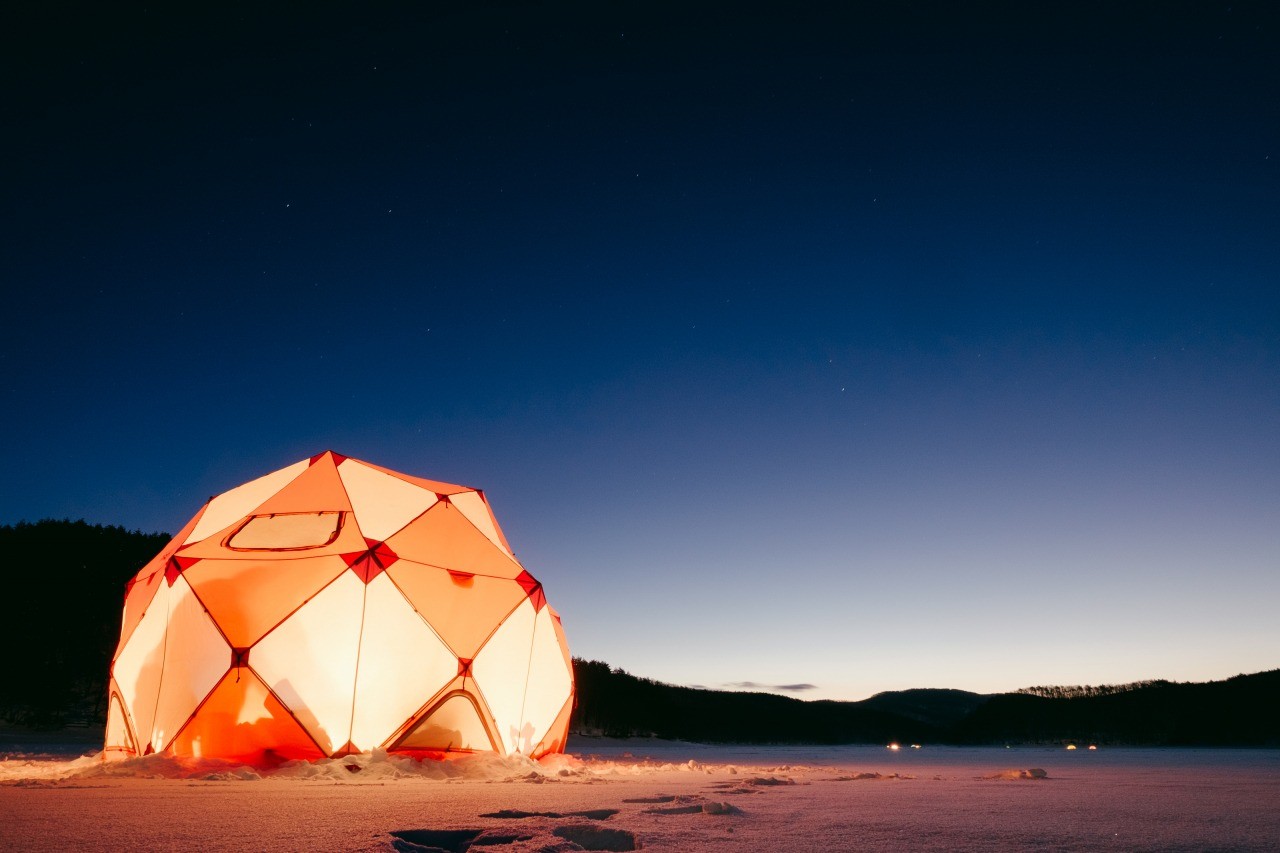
{"x":658,"y":795}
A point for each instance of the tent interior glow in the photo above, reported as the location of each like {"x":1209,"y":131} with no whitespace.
{"x":333,"y":607}
{"x":865,"y":346}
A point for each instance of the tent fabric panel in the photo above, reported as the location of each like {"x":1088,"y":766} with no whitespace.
{"x":463,"y":609}
{"x":402,"y":665}
{"x":242,"y":721}
{"x":454,"y":725}
{"x":138,"y":666}
{"x":309,"y":660}
{"x":444,"y":537}
{"x":550,"y":681}
{"x":137,"y":601}
{"x":231,"y":506}
{"x":557,"y":737}
{"x":501,"y":671}
{"x":317,"y":489}
{"x":440,"y":488}
{"x":119,"y":742}
{"x":382,"y":504}
{"x":248,"y":598}
{"x":143,"y":585}
{"x":195,"y":659}
{"x":476,"y":509}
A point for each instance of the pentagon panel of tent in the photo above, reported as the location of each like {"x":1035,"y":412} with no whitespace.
{"x":476,"y":509}
{"x":334,"y":606}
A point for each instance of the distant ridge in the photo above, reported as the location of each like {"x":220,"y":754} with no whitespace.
{"x":1239,"y":711}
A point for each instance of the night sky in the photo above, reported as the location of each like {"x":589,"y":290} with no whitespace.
{"x":923,"y":344}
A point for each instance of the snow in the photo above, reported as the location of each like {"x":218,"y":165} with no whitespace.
{"x":621,"y":795}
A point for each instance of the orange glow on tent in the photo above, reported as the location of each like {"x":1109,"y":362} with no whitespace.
{"x":332,"y":607}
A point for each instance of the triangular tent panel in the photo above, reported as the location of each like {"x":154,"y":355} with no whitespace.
{"x":241,"y":501}
{"x":444,"y":537}
{"x":335,"y":606}
{"x":383,"y":503}
{"x":242,"y":721}
{"x":316,"y":489}
{"x":473,"y":506}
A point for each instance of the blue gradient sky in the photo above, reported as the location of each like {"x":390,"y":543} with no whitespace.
{"x":894,"y":348}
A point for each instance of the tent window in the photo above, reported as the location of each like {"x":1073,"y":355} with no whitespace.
{"x":286,"y":531}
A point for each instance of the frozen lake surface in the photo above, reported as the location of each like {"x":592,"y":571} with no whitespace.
{"x":614,"y":795}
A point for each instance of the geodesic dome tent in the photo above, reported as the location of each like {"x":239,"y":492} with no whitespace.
{"x":332,"y":607}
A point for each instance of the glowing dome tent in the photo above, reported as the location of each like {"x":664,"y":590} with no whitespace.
{"x":332,"y":607}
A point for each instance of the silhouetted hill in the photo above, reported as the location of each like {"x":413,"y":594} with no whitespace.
{"x":936,"y":707}
{"x":1237,"y":712}
{"x":64,"y":586}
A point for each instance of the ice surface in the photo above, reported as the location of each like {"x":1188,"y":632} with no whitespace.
{"x":608,"y":795}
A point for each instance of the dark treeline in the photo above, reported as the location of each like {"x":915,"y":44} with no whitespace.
{"x":65,"y":590}
{"x":66,"y":583}
{"x":1076,"y":691}
{"x":1237,"y":712}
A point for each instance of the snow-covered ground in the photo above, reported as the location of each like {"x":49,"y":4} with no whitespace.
{"x":621,"y":795}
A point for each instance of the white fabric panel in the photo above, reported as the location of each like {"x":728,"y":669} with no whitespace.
{"x":402,"y":665}
{"x":195,"y":659}
{"x":550,"y":683}
{"x":231,"y":506}
{"x":382,"y":504}
{"x":471,"y":505}
{"x":501,"y":670}
{"x":309,"y":660}
{"x":138,"y":667}
{"x":454,"y":725}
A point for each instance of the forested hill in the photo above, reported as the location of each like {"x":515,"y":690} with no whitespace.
{"x":66,"y":580}
{"x":1237,"y":712}
{"x":64,"y":586}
